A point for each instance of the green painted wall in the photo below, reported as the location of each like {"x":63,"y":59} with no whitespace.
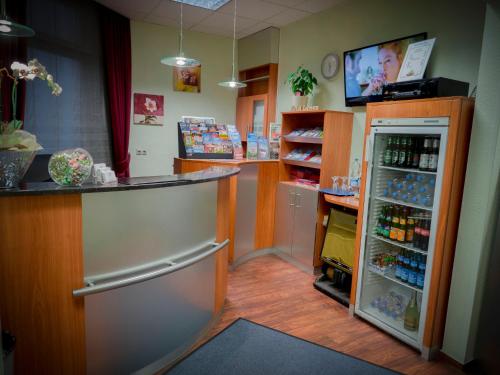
{"x":478,"y":207}
{"x":149,"y":44}
{"x":457,"y":24}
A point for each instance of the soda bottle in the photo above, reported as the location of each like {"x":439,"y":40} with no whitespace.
{"x":388,"y":222}
{"x":425,"y":234}
{"x":401,"y":235}
{"x":412,"y":273}
{"x":433,"y":157}
{"x":402,"y":153}
{"x":410,"y":228}
{"x":425,"y":155}
{"x":416,"y":153}
{"x":417,"y":240}
{"x":395,"y":224}
{"x":421,"y":271}
{"x":381,"y":221}
{"x":395,"y":152}
{"x":409,"y":152}
{"x":388,"y":153}
{"x":406,"y":266}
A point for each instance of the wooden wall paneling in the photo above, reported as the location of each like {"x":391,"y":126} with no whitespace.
{"x":336,"y":151}
{"x":272,"y":92}
{"x":266,"y":204}
{"x":222,"y":233}
{"x":243,"y":116}
{"x":41,"y":262}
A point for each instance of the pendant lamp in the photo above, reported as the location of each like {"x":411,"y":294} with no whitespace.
{"x":233,"y":83}
{"x":10,"y":28}
{"x":180,"y":60}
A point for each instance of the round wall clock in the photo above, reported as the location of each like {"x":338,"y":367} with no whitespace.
{"x":330,"y":65}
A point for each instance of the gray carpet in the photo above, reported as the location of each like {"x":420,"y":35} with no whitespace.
{"x":247,"y":348}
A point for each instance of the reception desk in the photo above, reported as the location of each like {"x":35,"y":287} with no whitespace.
{"x":113,"y":279}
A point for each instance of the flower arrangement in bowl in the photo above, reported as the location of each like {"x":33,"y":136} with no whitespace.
{"x":302,"y":83}
{"x":70,"y":167}
{"x":18,"y":147}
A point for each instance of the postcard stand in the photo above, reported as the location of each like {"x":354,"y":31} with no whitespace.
{"x":187,"y":151}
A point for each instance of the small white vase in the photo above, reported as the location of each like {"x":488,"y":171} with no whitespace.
{"x":300,"y":102}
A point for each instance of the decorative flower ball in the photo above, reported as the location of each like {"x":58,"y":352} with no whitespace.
{"x":70,"y":167}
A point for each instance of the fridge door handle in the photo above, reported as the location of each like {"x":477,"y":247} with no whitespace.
{"x":298,"y":200}
{"x":368,"y":148}
{"x":172,"y":266}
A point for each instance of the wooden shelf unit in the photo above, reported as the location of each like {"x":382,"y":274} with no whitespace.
{"x":298,"y":139}
{"x":262,"y":86}
{"x":302,"y":163}
{"x":335,"y":150}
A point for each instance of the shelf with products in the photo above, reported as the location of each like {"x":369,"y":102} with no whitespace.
{"x":301,"y":163}
{"x":300,"y":139}
{"x":393,"y":279}
{"x":403,"y":245}
{"x":406,"y":170}
{"x":406,"y":204}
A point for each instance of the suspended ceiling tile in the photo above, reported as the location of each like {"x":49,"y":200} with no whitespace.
{"x":169,"y":9}
{"x":288,"y":3}
{"x":288,"y":16}
{"x":253,"y":29}
{"x":315,"y":6}
{"x":130,"y":6}
{"x":254,"y":9}
{"x":225,"y":22}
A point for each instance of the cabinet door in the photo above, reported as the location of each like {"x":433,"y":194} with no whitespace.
{"x":243,"y":115}
{"x":283,"y":228}
{"x":306,"y":204}
{"x":259,"y":123}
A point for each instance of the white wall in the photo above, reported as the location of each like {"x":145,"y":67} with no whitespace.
{"x":457,"y":24}
{"x":259,"y":48}
{"x":477,"y":219}
{"x":151,"y":42}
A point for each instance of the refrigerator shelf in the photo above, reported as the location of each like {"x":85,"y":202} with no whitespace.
{"x":394,"y":327}
{"x":393,"y":201}
{"x":400,"y":244}
{"x":393,"y":279}
{"x":408,"y":170}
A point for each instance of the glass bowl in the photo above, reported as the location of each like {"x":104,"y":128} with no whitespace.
{"x":70,"y":167}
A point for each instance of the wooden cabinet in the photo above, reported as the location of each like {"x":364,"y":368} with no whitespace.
{"x":256,"y":104}
{"x":252,"y":115}
{"x":335,"y":148}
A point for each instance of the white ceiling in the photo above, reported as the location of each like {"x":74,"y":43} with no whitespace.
{"x":253,"y":15}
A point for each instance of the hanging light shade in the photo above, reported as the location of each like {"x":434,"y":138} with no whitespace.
{"x":11,"y":28}
{"x":180,"y":60}
{"x":233,"y":83}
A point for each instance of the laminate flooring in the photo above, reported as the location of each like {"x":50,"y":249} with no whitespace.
{"x":270,"y":291}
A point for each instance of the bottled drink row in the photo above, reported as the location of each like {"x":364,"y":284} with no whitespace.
{"x":412,"y":188}
{"x":412,"y":152}
{"x":405,"y":265}
{"x":404,"y":224}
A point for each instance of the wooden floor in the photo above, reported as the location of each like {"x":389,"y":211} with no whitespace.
{"x":269,"y":291}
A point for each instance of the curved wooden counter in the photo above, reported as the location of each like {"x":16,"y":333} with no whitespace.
{"x":59,"y":240}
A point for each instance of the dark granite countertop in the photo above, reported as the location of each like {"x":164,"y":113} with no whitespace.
{"x":134,"y":183}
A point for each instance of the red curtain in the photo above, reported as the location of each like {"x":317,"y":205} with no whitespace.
{"x":117,"y":55}
{"x":13,"y":49}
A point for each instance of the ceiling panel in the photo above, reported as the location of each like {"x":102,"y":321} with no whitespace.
{"x":253,"y":15}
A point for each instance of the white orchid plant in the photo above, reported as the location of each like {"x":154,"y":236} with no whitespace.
{"x":11,"y":135}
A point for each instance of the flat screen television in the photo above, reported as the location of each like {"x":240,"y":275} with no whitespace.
{"x":367,"y":69}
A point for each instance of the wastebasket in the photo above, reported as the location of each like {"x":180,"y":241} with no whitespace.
{"x":8,"y":345}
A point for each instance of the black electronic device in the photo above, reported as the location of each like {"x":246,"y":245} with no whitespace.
{"x":424,"y":88}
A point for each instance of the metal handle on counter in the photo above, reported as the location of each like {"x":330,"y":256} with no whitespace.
{"x":92,"y":289}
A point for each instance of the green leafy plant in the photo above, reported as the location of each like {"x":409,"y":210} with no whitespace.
{"x":302,"y":81}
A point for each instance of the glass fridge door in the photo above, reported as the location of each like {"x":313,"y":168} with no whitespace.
{"x":399,"y":225}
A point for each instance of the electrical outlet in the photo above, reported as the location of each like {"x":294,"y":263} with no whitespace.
{"x":140,"y":152}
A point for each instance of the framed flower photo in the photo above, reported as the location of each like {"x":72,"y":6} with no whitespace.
{"x":187,"y":79}
{"x":148,"y":109}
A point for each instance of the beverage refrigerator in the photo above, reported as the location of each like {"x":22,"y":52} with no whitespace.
{"x":413,"y":174}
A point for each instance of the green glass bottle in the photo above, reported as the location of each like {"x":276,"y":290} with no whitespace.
{"x":412,"y":315}
{"x":388,"y":153}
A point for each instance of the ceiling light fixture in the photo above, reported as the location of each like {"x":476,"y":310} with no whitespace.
{"x":180,"y":60}
{"x":207,"y":4}
{"x":233,"y":83}
{"x":10,"y":28}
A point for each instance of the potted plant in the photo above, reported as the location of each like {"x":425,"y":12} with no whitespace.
{"x":18,"y":147}
{"x":302,"y":83}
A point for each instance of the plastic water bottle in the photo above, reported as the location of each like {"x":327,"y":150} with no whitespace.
{"x":420,"y":178}
{"x":425,"y":200}
{"x":355,"y":180}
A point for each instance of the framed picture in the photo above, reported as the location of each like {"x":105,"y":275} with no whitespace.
{"x":148,"y":109}
{"x":187,"y":79}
